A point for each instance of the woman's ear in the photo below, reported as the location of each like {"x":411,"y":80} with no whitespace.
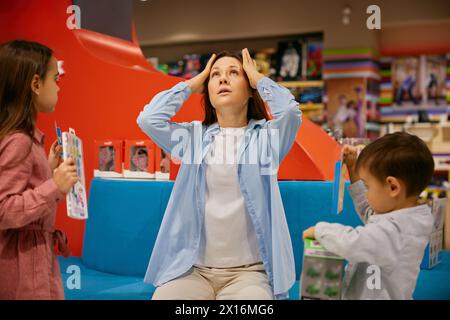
{"x":395,"y":186}
{"x":35,"y":84}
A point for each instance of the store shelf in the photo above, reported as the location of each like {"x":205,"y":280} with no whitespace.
{"x":311,"y":106}
{"x":301,"y":84}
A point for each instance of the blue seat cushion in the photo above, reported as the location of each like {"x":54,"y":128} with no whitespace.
{"x":97,"y":285}
{"x":432,"y":284}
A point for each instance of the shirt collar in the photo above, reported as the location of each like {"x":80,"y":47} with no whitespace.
{"x":39,"y":136}
{"x":214,"y":128}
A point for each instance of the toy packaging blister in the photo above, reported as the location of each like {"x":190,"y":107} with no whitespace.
{"x":108,"y":158}
{"x":76,"y":199}
{"x":322,"y":273}
{"x":431,"y":256}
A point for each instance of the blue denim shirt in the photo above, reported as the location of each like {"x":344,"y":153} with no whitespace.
{"x":264,"y":145}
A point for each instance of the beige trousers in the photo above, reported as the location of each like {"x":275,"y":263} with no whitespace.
{"x":247,"y":282}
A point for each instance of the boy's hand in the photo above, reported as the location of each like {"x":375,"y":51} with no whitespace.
{"x":350,"y":153}
{"x":309,"y":233}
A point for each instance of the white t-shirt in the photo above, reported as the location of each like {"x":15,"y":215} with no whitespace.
{"x":228,"y":239}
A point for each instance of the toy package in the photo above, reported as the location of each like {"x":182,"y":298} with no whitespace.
{"x":108,"y":158}
{"x":338,"y":187}
{"x":322,"y":273}
{"x":76,"y":198}
{"x":162,"y":164}
{"x":431,"y":257}
{"x":139,"y":159}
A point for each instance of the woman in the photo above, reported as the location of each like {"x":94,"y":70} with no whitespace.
{"x":224,"y":234}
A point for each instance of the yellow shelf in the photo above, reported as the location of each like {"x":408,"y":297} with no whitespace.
{"x":301,"y":84}
{"x":311,"y":107}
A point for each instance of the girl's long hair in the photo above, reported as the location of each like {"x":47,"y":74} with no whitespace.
{"x":20,"y":61}
{"x":256,"y":108}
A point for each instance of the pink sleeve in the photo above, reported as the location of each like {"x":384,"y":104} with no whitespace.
{"x":19,"y":204}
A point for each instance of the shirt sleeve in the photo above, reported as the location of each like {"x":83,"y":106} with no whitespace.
{"x":358,"y":191}
{"x":154,"y":120}
{"x":19,"y":204}
{"x":285,"y":112}
{"x":374,"y":243}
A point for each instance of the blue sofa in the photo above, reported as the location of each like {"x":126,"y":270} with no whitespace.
{"x":125,"y":216}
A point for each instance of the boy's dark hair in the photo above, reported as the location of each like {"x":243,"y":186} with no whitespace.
{"x":399,"y":155}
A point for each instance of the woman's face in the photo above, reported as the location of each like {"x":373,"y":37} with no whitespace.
{"x":48,"y":89}
{"x":228,"y":87}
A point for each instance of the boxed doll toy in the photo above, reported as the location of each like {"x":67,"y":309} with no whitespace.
{"x":76,"y":198}
{"x":108,"y":158}
{"x":139,"y":159}
{"x":433,"y":249}
{"x":162,"y":164}
{"x":322,"y":273}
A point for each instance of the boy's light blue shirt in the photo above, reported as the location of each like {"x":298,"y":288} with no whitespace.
{"x":265,"y":144}
{"x":392,"y":243}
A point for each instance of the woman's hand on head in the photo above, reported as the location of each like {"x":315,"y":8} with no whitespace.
{"x":197,"y":83}
{"x":250,"y":68}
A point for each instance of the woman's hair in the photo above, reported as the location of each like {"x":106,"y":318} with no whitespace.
{"x":256,"y":108}
{"x":20,"y":61}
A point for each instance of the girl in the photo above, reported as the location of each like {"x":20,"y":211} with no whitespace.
{"x":30,"y":183}
{"x":224,"y":234}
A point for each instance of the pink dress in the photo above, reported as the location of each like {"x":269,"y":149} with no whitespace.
{"x":29,"y":268}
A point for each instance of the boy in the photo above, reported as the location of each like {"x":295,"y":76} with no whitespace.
{"x":387,"y":179}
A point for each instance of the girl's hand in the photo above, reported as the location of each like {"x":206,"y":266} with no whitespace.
{"x":309,"y":233}
{"x":54,"y":156}
{"x":197,"y":84}
{"x":65,"y":176}
{"x":250,"y":68}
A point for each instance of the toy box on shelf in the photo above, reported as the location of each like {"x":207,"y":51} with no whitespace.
{"x":322,"y":273}
{"x":108,"y":158}
{"x":76,"y":198}
{"x":434,"y":247}
{"x":162,"y":164}
{"x":139,"y":159}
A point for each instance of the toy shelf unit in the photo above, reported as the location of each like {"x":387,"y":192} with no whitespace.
{"x":309,"y":94}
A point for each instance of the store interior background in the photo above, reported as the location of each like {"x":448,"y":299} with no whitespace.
{"x":409,"y":29}
{"x":111,"y":89}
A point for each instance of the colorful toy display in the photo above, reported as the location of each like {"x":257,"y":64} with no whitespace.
{"x":322,"y":274}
